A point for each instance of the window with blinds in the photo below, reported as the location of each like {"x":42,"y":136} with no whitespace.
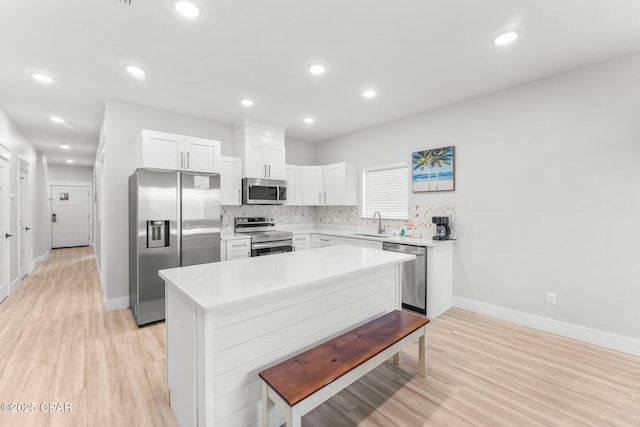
{"x":386,"y":189}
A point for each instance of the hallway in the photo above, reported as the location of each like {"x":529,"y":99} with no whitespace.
{"x":57,"y":344}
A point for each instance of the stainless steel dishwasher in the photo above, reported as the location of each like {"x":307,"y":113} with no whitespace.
{"x":414,"y":276}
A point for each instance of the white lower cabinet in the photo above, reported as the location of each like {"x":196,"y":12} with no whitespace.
{"x":349,"y":241}
{"x":321,"y":241}
{"x":301,"y":242}
{"x":237,"y":249}
{"x":371,"y":244}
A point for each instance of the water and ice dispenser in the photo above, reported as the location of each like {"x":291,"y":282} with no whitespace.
{"x":157,"y":234}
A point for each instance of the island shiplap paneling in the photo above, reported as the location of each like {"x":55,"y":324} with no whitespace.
{"x":227,"y":316}
{"x":284,"y":326}
{"x":237,"y":377}
{"x":256,"y":327}
{"x":181,"y":325}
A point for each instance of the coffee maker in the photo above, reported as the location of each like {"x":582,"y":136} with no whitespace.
{"x":442,"y":227}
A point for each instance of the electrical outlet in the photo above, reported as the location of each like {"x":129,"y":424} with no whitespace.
{"x":551,"y":298}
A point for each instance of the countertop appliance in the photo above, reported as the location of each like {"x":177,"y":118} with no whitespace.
{"x":443,"y":231}
{"x":174,"y":221}
{"x":257,"y":191}
{"x":414,"y":276}
{"x":265,"y":239}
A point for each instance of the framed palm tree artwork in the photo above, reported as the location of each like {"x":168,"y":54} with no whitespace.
{"x":433,"y":170}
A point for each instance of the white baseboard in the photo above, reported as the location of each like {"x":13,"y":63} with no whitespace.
{"x":38,"y":260}
{"x":13,"y":286}
{"x":569,"y":330}
{"x":116,"y":303}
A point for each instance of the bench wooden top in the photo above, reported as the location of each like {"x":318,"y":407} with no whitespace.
{"x":302,"y":375}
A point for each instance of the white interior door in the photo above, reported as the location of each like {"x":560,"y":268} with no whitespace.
{"x":69,"y":216}
{"x":4,"y":280}
{"x":25,"y":224}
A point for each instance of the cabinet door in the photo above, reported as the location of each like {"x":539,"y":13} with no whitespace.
{"x":312,"y":185}
{"x":202,"y":155}
{"x":255,"y":165}
{"x":293,"y":184}
{"x":276,"y":155}
{"x":231,"y":181}
{"x":370,"y":244}
{"x":334,"y":184}
{"x":349,"y":241}
{"x":161,"y":150}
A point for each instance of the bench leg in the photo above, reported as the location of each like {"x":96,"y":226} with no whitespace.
{"x":268,"y":407}
{"x":396,"y":358}
{"x":422,"y":353}
{"x":294,"y":419}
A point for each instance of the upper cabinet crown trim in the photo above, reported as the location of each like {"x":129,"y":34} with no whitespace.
{"x":254,"y":127}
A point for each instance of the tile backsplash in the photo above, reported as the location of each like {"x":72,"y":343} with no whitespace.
{"x":420,"y":215}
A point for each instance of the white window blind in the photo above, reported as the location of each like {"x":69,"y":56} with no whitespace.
{"x":386,"y":189}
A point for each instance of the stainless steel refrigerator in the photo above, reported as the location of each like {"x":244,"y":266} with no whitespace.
{"x":174,"y":220}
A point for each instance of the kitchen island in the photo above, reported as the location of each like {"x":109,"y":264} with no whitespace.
{"x":228,"y":321}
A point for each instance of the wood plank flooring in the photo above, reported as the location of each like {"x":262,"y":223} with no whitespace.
{"x":57,"y":344}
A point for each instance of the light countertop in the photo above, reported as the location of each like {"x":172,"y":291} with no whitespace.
{"x":417,"y":241}
{"x":232,"y":283}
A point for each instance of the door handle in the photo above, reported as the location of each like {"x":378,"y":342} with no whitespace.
{"x":54,"y":218}
{"x":269,"y":170}
{"x":7,"y":235}
{"x":188,"y":160}
{"x":27,"y":228}
{"x":265,"y":171}
{"x":181,"y":160}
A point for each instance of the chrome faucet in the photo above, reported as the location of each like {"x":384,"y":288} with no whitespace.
{"x":380,"y":227}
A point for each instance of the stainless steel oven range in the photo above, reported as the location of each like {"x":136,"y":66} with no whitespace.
{"x":265,"y":240}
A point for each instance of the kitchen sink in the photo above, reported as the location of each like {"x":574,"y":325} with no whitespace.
{"x":373,"y":235}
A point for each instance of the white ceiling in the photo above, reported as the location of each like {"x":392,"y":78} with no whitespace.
{"x":418,"y":54}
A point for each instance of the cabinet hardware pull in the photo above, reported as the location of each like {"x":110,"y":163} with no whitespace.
{"x":181,"y":160}
{"x":269,"y":171}
{"x":265,"y":171}
{"x":325,"y":198}
{"x":188,"y":160}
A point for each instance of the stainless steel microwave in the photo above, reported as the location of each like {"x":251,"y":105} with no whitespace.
{"x":257,"y":191}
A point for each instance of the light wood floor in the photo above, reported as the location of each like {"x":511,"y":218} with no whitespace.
{"x":58,"y":345}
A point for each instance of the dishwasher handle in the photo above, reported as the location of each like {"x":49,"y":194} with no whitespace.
{"x":405,"y":252}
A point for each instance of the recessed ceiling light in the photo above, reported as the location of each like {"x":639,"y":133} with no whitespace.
{"x":246,"y":102}
{"x":317,"y":69}
{"x":65,"y":146}
{"x":187,"y":9}
{"x":69,"y":161}
{"x":369,"y":93}
{"x":506,"y":38}
{"x":57,"y":119}
{"x":309,"y":120}
{"x":42,"y":77}
{"x":136,"y":72}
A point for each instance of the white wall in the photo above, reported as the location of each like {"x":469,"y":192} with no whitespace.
{"x":70,"y":173}
{"x":300,"y":152}
{"x":123,"y":122}
{"x":21,"y":148}
{"x":547,"y":199}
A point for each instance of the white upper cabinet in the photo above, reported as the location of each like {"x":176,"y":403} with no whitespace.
{"x":202,"y":155}
{"x":294,"y":184}
{"x":312,"y":185}
{"x":161,"y":150}
{"x":331,"y":185}
{"x":261,"y":147}
{"x":340,"y":182}
{"x":231,"y":181}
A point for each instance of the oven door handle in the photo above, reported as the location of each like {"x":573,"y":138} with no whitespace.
{"x":271,"y":245}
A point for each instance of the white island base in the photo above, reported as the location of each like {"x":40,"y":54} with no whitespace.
{"x":228,"y":321}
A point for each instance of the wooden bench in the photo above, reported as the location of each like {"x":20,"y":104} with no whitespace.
{"x":303,"y":382}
